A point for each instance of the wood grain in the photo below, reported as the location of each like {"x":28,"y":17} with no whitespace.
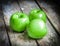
{"x":51,"y":39}
{"x":53,"y":13}
{"x":4,"y":41}
{"x":17,"y":39}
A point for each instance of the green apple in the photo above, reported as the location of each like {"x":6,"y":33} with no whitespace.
{"x":19,"y":21}
{"x":37,"y":14}
{"x":37,"y":29}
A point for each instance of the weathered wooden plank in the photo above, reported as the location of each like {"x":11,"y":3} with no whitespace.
{"x":51,"y":39}
{"x":26,"y":5}
{"x":17,"y":39}
{"x":53,"y":13}
{"x":4,"y":41}
{"x":8,"y":9}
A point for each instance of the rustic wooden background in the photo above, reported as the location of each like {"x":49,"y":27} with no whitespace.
{"x":10,"y":38}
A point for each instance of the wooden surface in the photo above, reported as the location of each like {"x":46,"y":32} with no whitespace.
{"x":51,"y":39}
{"x":21,"y":39}
{"x":53,"y":13}
{"x":4,"y":41}
{"x":17,"y":39}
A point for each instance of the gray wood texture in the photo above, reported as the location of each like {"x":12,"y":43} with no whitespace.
{"x":4,"y":41}
{"x":21,"y":39}
{"x":17,"y":39}
{"x":51,"y":39}
{"x":53,"y":13}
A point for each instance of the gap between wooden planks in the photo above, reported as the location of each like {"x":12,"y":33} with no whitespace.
{"x":51,"y":39}
{"x":17,"y":39}
{"x":53,"y":14}
{"x":4,"y":40}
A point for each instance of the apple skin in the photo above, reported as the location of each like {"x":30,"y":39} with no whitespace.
{"x":37,"y":29}
{"x":19,"y":21}
{"x":37,"y":14}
